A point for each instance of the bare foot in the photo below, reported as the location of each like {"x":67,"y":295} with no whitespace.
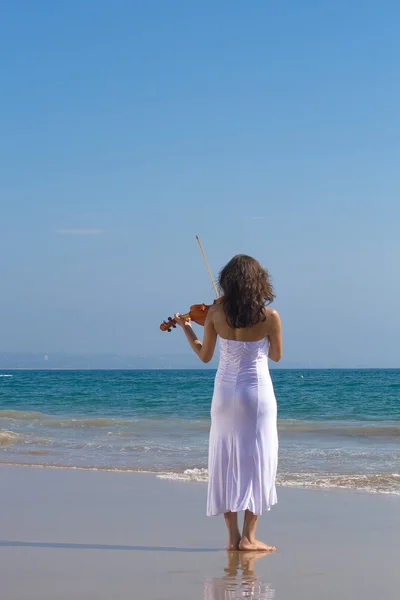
{"x":257,"y":546}
{"x":233,"y":544}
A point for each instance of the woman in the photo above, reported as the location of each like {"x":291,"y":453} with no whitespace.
{"x":243,"y":447}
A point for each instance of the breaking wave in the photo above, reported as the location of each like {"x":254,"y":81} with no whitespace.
{"x":378,"y":483}
{"x":21,"y":414}
{"x":9,"y":437}
{"x":285,"y":426}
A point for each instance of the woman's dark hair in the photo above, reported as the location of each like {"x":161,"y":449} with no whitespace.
{"x":246,"y":289}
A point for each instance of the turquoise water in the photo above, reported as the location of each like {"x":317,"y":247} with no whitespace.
{"x":337,"y":428}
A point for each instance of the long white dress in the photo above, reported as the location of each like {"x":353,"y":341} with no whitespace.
{"x":243,"y":446}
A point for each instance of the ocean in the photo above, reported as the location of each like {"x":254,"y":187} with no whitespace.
{"x":337,"y":428}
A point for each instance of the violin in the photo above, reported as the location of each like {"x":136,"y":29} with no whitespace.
{"x":197,"y":312}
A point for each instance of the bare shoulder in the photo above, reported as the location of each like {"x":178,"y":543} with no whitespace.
{"x":214,"y":311}
{"x":272,"y":318}
{"x":215,"y":307}
{"x":271,"y":313}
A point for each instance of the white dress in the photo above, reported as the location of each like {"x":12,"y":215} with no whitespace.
{"x":243,"y":447}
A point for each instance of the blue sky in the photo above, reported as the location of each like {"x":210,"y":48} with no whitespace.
{"x":266,"y":128}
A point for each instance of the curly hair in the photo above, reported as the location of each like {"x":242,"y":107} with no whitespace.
{"x":246,"y":289}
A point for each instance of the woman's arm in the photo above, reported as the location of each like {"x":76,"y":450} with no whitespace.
{"x":205,"y":350}
{"x":274,"y":335}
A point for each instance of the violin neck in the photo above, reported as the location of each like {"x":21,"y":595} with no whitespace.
{"x":186,"y":316}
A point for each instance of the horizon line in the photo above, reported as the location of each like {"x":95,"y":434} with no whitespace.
{"x":194,"y":369}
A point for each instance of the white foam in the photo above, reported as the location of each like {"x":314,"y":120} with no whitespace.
{"x":8,"y":437}
{"x":378,"y":484}
{"x":188,"y":475}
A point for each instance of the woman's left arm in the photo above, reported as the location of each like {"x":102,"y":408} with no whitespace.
{"x":205,"y":350}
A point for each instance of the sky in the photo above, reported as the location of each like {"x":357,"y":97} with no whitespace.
{"x":267,"y":128}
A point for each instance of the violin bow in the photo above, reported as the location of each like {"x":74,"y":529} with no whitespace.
{"x":207,"y":267}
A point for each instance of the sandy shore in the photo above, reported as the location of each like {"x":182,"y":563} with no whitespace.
{"x":92,"y":535}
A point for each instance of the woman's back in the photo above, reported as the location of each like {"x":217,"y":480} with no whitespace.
{"x":243,"y":363}
{"x":264,"y":330}
{"x":244,"y":334}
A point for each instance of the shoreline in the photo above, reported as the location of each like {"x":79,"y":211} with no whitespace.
{"x":184,"y":478}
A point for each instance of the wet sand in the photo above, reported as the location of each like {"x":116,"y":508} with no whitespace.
{"x":68,"y":534}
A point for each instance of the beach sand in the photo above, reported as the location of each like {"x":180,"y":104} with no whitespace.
{"x":70,"y":534}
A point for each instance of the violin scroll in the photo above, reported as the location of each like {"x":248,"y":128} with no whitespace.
{"x":168,"y":325}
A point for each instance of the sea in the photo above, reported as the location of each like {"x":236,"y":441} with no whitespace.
{"x":337,"y":428}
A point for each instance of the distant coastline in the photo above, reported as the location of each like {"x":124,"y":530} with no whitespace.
{"x":200,"y":368}
{"x":58,"y":361}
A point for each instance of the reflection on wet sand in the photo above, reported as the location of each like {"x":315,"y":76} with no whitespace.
{"x":240,"y":580}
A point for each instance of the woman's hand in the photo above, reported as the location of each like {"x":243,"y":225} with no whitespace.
{"x":182,"y":322}
{"x":204,"y":351}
